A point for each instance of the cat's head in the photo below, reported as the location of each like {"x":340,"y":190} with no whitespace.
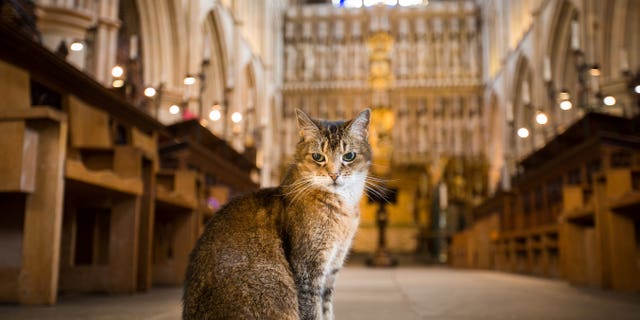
{"x":334,"y":155}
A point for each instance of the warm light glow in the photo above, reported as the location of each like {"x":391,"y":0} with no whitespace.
{"x":117,"y":71}
{"x":523,"y":132}
{"x":594,"y":71}
{"x":609,"y":100}
{"x":215,"y":115}
{"x":541,"y":118}
{"x":149,"y":92}
{"x":566,"y":105}
{"x":637,"y":89}
{"x":76,"y":46}
{"x":406,"y":3}
{"x":174,"y":109}
{"x":118,"y":83}
{"x":189,"y":80}
{"x":563,"y":95}
{"x":236,"y":117}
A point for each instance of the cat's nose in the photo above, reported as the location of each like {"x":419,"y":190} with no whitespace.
{"x":334,"y":176}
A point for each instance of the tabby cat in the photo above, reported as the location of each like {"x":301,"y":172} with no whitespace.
{"x":274,"y":254}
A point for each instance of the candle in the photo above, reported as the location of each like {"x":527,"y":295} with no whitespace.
{"x":133,"y":47}
{"x":575,"y":35}
{"x":546,"y":69}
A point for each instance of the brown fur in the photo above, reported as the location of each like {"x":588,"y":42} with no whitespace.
{"x":274,"y":254}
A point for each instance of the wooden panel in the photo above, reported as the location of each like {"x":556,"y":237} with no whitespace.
{"x":106,"y":179}
{"x":616,"y":234}
{"x":147,"y":218}
{"x":14,"y":87}
{"x":127,"y":162}
{"x":123,"y":246}
{"x":147,"y":143}
{"x":9,"y":284}
{"x":43,"y":219}
{"x":88,"y":126}
{"x":19,"y":146}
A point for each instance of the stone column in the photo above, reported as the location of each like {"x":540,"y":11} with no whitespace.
{"x":62,"y":23}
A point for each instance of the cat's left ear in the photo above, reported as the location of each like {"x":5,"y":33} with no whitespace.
{"x":308,"y":128}
{"x":359,"y":126}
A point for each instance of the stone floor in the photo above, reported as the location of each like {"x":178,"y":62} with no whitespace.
{"x":396,"y":294}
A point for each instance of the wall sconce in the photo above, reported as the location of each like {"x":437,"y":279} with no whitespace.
{"x":117,"y":72}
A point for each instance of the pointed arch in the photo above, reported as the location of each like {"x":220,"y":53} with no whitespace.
{"x":522,"y":113}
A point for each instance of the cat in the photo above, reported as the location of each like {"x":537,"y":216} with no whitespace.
{"x":275,"y":253}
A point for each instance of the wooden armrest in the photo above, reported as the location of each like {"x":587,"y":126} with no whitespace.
{"x":34,"y":113}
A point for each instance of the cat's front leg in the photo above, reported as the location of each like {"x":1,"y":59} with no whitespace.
{"x":310,"y":291}
{"x":327,"y":295}
{"x":309,"y":265}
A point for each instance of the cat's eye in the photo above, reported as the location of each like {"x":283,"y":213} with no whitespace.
{"x":349,"y":156}
{"x":317,"y":157}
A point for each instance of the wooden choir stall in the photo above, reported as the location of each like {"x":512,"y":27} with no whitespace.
{"x":573,"y":213}
{"x":87,"y":206}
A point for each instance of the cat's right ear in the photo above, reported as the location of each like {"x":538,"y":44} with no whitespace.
{"x":308,"y":128}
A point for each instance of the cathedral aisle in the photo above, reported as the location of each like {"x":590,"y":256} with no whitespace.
{"x":396,"y":294}
{"x":454,"y":294}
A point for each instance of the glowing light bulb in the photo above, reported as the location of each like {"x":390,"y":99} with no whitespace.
{"x":189,"y":80}
{"x":566,"y":105}
{"x":236,"y":117}
{"x":118,"y":83}
{"x":541,"y":118}
{"x":637,"y":89}
{"x":523,"y":132}
{"x":117,"y":71}
{"x":149,"y":92}
{"x":76,"y":46}
{"x":174,"y":109}
{"x":215,"y":115}
{"x":609,"y":100}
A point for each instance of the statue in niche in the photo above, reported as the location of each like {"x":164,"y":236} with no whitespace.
{"x":291,"y":62}
{"x":437,"y":47}
{"x":454,"y":47}
{"x":472,"y":46}
{"x":363,"y":61}
{"x":321,"y":56}
{"x":402,"y":68}
{"x":308,"y":62}
{"x":419,"y":47}
{"x":340,"y":52}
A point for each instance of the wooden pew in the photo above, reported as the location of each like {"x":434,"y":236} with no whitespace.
{"x":107,"y":230}
{"x":33,"y":144}
{"x":199,"y":172}
{"x":107,"y":170}
{"x":617,"y":215}
{"x":176,"y":224}
{"x":223,"y":171}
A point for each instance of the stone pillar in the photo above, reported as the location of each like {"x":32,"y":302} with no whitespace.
{"x":62,"y":23}
{"x":106,"y":40}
